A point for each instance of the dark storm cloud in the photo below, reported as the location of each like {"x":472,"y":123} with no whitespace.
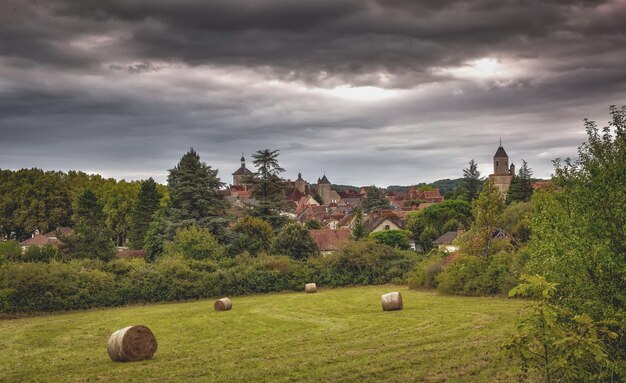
{"x":123,"y":87}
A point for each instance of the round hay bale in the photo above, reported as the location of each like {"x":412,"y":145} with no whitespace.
{"x":223,"y":304}
{"x":131,"y":344}
{"x":392,"y":301}
{"x":310,"y":288}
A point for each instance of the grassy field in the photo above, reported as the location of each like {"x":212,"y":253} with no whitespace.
{"x":334,"y":335}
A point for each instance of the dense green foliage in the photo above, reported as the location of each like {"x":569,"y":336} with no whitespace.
{"x":375,"y":200}
{"x":294,"y":241}
{"x":521,"y":188}
{"x":192,"y":267}
{"x":472,"y":182}
{"x":579,"y":230}
{"x":428,"y":224}
{"x":148,"y":202}
{"x":553,"y":345}
{"x":267,"y":187}
{"x":91,"y":237}
{"x":253,"y":235}
{"x":394,"y":238}
{"x":194,"y":196}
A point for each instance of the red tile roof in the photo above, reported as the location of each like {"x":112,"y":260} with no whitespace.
{"x":330,"y":240}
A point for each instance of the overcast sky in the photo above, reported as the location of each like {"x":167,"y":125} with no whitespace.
{"x":367,"y":92}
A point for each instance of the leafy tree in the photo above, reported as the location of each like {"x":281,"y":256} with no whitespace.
{"x":521,"y":188}
{"x":472,"y":181}
{"x":375,"y":200}
{"x":394,"y":238}
{"x":91,"y":238}
{"x":267,"y":187}
{"x":294,"y":241}
{"x":10,"y":251}
{"x":194,"y":196}
{"x":428,"y":224}
{"x":119,"y":202}
{"x":148,"y":202}
{"x":487,"y":210}
{"x":195,"y":243}
{"x":515,"y":220}
{"x":313,"y":225}
{"x":156,"y":235}
{"x":253,"y":235}
{"x":579,"y":231}
{"x":552,"y":350}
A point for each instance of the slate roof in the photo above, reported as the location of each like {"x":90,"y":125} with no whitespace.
{"x":500,"y":152}
{"x":242,"y":170}
{"x":447,"y":238}
{"x":324,"y":180}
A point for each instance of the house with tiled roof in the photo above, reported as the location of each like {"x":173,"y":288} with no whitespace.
{"x":50,"y":238}
{"x":328,"y":240}
{"x":445,"y":241}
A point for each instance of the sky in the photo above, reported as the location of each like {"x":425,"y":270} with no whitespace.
{"x":365,"y":91}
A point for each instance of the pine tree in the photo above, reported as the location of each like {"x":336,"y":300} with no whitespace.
{"x":147,"y":204}
{"x":91,"y":238}
{"x":521,"y":188}
{"x":358,"y":230}
{"x":194,"y":196}
{"x":267,"y":188}
{"x":375,"y":200}
{"x":472,"y":181}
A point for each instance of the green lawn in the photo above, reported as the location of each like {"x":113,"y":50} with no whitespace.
{"x":334,"y":335}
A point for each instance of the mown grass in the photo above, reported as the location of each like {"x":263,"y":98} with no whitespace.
{"x":334,"y":335}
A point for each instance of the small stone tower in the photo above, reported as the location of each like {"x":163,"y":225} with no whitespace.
{"x":323,"y":189}
{"x":300,"y":184}
{"x":240,"y":174}
{"x":502,"y":172}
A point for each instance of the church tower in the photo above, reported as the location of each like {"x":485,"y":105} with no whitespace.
{"x":300,"y":184}
{"x":323,"y":189}
{"x":502,"y":172}
{"x":240,"y":174}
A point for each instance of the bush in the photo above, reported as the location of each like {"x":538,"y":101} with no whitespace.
{"x":10,"y":251}
{"x":424,"y":275}
{"x":294,"y":241}
{"x":394,"y":238}
{"x":194,"y":243}
{"x":45,"y":253}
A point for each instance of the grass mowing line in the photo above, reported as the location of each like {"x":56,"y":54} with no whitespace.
{"x":333,"y":335}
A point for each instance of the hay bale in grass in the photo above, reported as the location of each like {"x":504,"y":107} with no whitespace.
{"x":223,"y":304}
{"x":131,"y":344}
{"x":310,"y":288}
{"x":392,"y":301}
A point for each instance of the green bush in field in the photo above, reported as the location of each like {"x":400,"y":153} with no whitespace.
{"x":424,"y":275}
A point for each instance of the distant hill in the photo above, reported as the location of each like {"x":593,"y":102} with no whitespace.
{"x":444,"y":186}
{"x":345,"y":187}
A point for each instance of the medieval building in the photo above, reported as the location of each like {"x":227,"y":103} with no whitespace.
{"x":240,"y":175}
{"x":502,"y":172}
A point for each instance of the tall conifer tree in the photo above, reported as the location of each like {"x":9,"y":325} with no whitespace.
{"x":147,"y":204}
{"x":194,"y":196}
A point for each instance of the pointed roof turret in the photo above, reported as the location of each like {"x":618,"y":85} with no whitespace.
{"x":500,"y":152}
{"x":299,"y":177}
{"x":324,"y":180}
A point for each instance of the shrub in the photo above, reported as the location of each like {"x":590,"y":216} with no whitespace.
{"x":294,"y":241}
{"x":194,"y":243}
{"x":394,"y":238}
{"x":424,"y":275}
{"x":40,"y":254}
{"x":10,"y":251}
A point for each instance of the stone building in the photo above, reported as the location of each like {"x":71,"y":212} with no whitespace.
{"x":502,"y":172}
{"x":240,"y":175}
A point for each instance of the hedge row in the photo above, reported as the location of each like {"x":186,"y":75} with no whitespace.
{"x":81,"y":284}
